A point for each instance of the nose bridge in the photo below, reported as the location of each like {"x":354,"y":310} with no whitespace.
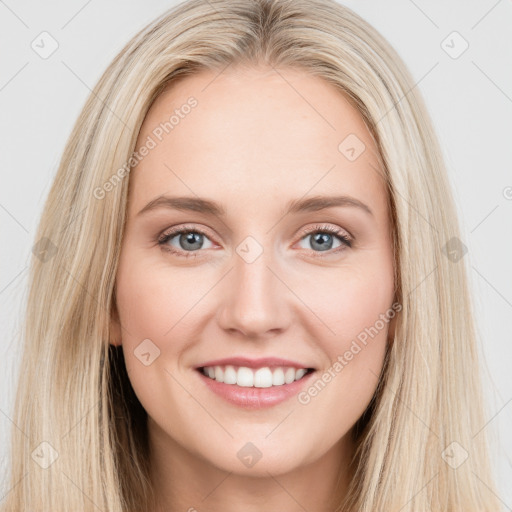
{"x":254,"y":297}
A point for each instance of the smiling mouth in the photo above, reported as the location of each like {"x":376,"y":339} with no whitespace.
{"x":264,"y":377}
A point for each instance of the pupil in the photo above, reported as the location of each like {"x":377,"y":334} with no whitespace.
{"x":192,"y":238}
{"x":322,"y":239}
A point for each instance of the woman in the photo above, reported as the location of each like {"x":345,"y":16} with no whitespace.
{"x":314,"y":347}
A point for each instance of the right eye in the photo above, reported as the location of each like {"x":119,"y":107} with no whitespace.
{"x":192,"y":240}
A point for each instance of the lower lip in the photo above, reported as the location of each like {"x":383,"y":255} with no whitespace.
{"x":255,"y":398}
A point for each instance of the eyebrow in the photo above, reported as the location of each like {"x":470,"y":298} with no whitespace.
{"x":209,"y":207}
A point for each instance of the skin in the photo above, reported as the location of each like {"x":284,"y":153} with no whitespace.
{"x":256,"y":140}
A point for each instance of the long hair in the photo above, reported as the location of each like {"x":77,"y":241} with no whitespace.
{"x":80,"y":440}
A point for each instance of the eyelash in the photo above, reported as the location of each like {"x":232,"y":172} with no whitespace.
{"x":165,"y":237}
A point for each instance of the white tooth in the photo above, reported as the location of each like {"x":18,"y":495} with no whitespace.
{"x":219,"y":374}
{"x":300,"y":373}
{"x":263,"y":378}
{"x":289,"y":375}
{"x":245,"y":377}
{"x":229,"y":375}
{"x":278,"y":377}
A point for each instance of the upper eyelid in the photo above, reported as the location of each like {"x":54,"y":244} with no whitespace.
{"x":180,"y":229}
{"x":319,"y":227}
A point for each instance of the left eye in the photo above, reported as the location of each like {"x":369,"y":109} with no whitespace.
{"x":323,"y":240}
{"x":191,"y":239}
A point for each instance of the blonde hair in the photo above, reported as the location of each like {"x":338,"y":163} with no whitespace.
{"x":73,"y":391}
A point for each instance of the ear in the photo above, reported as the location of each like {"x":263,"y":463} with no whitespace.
{"x":115,"y":326}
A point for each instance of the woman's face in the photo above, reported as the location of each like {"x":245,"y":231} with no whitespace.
{"x":264,"y":268}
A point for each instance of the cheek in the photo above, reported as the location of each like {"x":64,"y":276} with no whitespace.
{"x":357,"y":313}
{"x":352,"y":302}
{"x":150,"y":302}
{"x":151,"y":298}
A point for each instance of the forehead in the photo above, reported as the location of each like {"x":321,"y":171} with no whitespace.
{"x":255,"y":133}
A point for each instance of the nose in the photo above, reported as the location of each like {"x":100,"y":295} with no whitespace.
{"x":254,"y":299}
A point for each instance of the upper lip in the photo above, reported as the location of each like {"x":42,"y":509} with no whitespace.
{"x":253,"y":363}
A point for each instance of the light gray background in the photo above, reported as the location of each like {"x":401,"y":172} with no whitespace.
{"x":469,"y":98}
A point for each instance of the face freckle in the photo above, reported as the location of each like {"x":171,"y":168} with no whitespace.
{"x":258,"y":282}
